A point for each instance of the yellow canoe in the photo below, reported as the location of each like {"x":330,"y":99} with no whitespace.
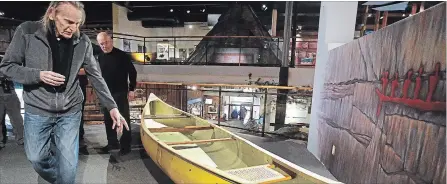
{"x":192,"y":150}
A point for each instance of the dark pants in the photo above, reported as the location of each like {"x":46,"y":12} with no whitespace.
{"x":10,"y":104}
{"x":81,"y":127}
{"x":60,"y":166}
{"x":123,"y":106}
{"x":3,"y":129}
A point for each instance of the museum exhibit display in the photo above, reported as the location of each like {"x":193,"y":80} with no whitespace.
{"x":227,"y":92}
{"x":383,"y":112}
{"x":192,"y":150}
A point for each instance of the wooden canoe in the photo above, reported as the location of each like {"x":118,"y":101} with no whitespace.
{"x":192,"y":150}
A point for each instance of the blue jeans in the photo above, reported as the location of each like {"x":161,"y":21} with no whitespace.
{"x":60,"y":166}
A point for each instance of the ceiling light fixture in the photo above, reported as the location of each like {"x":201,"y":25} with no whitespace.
{"x":187,"y":11}
{"x":203,"y":10}
{"x":381,"y":17}
{"x":369,"y":15}
{"x":171,"y":10}
{"x":2,"y":13}
{"x":264,"y":7}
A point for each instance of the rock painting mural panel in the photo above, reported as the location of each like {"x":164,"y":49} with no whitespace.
{"x":383,"y":117}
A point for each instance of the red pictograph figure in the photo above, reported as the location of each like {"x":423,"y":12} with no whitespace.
{"x":394,"y":84}
{"x":384,"y":81}
{"x":433,"y":82}
{"x":407,"y":83}
{"x":417,"y":88}
{"x":415,"y":102}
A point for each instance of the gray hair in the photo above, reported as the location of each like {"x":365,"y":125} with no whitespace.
{"x":54,"y":4}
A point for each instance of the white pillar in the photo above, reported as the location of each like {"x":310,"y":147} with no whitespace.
{"x":336,"y":27}
{"x":118,"y":13}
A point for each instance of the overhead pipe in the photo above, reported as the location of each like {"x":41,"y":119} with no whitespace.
{"x":159,"y":19}
{"x":140,"y":16}
{"x":274,"y":19}
{"x":172,"y":18}
{"x":154,"y":24}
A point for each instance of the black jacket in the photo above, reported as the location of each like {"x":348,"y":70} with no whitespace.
{"x":118,"y":71}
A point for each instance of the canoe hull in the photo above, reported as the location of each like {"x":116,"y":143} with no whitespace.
{"x":214,"y":162}
{"x":178,"y":169}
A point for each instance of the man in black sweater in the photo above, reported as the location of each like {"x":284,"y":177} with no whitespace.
{"x":117,"y":68}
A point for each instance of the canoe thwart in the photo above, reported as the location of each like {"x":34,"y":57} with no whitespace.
{"x":184,"y":129}
{"x":200,"y":141}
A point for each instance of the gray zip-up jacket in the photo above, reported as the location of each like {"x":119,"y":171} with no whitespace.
{"x":29,"y":53}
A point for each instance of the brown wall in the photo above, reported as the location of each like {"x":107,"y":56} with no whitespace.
{"x":397,"y":138}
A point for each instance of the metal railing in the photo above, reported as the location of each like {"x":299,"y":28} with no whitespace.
{"x":214,"y":50}
{"x":248,"y":108}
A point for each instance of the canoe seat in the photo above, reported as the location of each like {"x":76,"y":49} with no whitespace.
{"x":259,"y":174}
{"x":189,"y":151}
{"x":153,"y":124}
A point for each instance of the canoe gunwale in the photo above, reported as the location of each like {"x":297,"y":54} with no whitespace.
{"x":169,"y":148}
{"x":220,"y":173}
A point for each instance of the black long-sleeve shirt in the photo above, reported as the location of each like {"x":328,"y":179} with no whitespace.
{"x":117,"y":69}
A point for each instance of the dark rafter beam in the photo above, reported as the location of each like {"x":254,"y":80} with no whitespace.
{"x":90,"y":26}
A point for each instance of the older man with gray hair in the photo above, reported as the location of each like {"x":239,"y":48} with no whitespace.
{"x":46,"y":57}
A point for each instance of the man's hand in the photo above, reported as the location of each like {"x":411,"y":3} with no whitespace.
{"x":81,"y":71}
{"x":118,"y":121}
{"x":52,"y":78}
{"x":131,"y":95}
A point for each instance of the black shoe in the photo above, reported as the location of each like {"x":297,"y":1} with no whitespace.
{"x":125,"y":151}
{"x":20,"y":142}
{"x":83,"y":150}
{"x":110,"y":147}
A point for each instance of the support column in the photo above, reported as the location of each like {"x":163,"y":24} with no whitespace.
{"x":281,"y":99}
{"x":293,"y":35}
{"x":336,"y":27}
{"x":117,"y":12}
{"x":364,"y":21}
